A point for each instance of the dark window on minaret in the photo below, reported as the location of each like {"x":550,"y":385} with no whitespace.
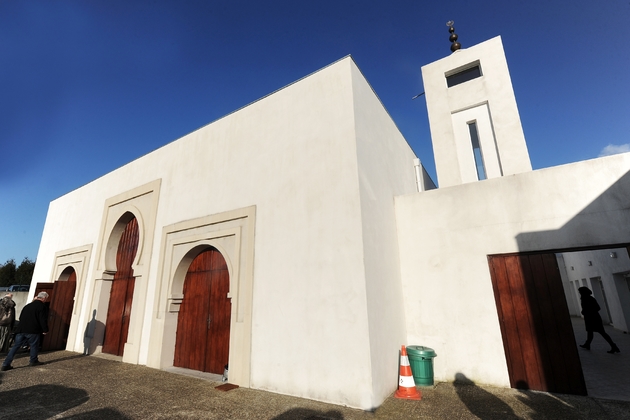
{"x":463,"y":76}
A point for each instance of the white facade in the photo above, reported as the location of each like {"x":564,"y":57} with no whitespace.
{"x":449,"y":301}
{"x":297,"y":191}
{"x":336,"y":254}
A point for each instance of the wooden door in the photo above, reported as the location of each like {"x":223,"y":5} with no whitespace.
{"x":203,"y":324}
{"x":45,"y":287}
{"x":50,"y":289}
{"x":121,"y":295}
{"x":538,"y":338}
{"x":60,"y":312}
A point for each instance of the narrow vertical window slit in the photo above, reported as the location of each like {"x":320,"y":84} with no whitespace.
{"x":474,"y":137}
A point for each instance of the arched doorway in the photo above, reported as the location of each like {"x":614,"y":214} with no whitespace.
{"x":121,"y":295}
{"x":203,"y":325}
{"x":60,"y":304}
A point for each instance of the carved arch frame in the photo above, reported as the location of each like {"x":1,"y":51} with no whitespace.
{"x":141,"y":202}
{"x":232,"y":233}
{"x":79,"y":259}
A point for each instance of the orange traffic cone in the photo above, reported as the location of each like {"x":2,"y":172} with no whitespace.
{"x":406,"y":386}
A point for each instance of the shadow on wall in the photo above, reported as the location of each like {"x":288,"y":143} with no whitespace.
{"x":606,"y":220}
{"x":305,"y":413}
{"x":94,"y":328}
{"x":41,"y":401}
{"x":536,"y":290}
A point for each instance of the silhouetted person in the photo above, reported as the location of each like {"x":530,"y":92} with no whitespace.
{"x":33,"y":322}
{"x":592,"y":320}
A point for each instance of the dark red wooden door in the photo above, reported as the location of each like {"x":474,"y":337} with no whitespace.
{"x":60,"y":313}
{"x":50,"y":289}
{"x":121,"y":296}
{"x":45,"y":287}
{"x":538,"y":338}
{"x":203,"y":324}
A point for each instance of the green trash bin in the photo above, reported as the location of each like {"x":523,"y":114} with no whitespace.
{"x":421,"y":362}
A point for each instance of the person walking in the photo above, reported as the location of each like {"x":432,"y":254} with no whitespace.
{"x":33,"y":322}
{"x":7,"y":321}
{"x":592,"y":320}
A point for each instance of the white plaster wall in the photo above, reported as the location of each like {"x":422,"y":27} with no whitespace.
{"x":293,"y":155}
{"x":446,"y":234}
{"x":73,"y":220}
{"x":569,"y":291}
{"x":493,"y":88}
{"x":385,"y":170}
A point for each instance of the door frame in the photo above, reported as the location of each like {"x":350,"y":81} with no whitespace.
{"x":232,"y":233}
{"x":208,"y":311}
{"x":57,"y":319}
{"x":79,"y":259}
{"x":141,"y":202}
{"x":525,"y":350}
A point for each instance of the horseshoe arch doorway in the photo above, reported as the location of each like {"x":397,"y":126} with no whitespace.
{"x":121,"y":296}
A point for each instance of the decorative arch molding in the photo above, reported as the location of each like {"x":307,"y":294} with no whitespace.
{"x":79,"y":260}
{"x":66,"y":273}
{"x":129,"y":211}
{"x":232,"y":234}
{"x":176,"y":287}
{"x":142,"y":203}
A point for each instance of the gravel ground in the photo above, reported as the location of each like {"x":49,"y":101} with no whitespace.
{"x":71,"y":386}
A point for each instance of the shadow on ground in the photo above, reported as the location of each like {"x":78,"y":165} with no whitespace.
{"x":480,"y":402}
{"x":40,"y":401}
{"x":78,"y":356}
{"x":307,"y":414}
{"x":533,"y":405}
{"x":102,"y":413}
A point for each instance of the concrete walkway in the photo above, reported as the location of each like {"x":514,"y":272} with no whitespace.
{"x":71,"y":386}
{"x":606,"y":375}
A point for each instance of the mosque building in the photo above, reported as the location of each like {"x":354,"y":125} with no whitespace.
{"x":299,"y":242}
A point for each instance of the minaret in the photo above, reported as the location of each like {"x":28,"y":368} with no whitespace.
{"x":475,"y":126}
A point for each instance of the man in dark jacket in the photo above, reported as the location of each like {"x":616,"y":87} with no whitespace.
{"x":33,"y":322}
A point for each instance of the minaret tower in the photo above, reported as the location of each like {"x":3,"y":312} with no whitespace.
{"x":475,"y":126}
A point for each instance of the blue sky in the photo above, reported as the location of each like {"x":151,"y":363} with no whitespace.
{"x":87,"y":86}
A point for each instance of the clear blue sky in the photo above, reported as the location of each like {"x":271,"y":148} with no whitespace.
{"x":89,"y":85}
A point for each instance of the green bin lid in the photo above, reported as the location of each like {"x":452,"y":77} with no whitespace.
{"x":421,"y":351}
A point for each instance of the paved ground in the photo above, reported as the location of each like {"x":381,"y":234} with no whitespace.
{"x":71,"y":386}
{"x":606,"y":375}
